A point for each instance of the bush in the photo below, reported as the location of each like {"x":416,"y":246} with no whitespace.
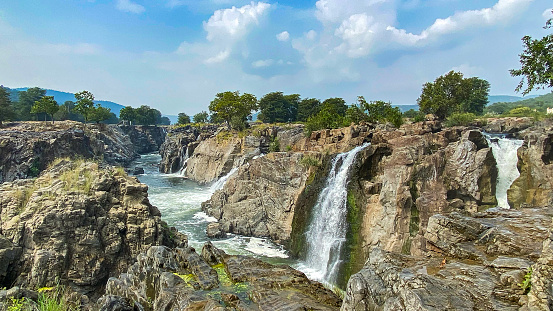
{"x":308,"y":161}
{"x":523,"y":112}
{"x":460,"y":119}
{"x":274,"y":146}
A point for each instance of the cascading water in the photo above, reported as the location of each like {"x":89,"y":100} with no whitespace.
{"x":182,"y":171}
{"x":221,"y":182}
{"x":326,"y":234}
{"x":505,"y":154}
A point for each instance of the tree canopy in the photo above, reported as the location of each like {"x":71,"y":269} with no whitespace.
{"x":26,"y":101}
{"x":201,"y":117}
{"x":99,"y":114}
{"x":452,"y":93}
{"x":233,"y":108}
{"x":183,"y":118}
{"x":46,"y":105}
{"x":6,"y":109}
{"x":536,"y":63}
{"x":308,"y":107}
{"x":84,"y":105}
{"x":144,"y":115}
{"x":277,"y":107}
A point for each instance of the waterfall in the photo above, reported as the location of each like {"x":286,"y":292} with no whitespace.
{"x":182,"y":171}
{"x":222,"y":181}
{"x":505,"y":154}
{"x":326,"y":234}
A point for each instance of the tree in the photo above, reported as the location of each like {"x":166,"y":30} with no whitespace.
{"x":84,"y":105}
{"x":146,"y":115}
{"x":277,"y":107}
{"x":378,"y":111}
{"x":537,"y":63}
{"x":355,"y":114}
{"x":327,"y":118}
{"x":183,"y":118}
{"x":452,"y":93}
{"x":201,"y":117}
{"x":26,"y":100}
{"x":339,"y":105}
{"x":98,"y":114}
{"x":46,"y":105}
{"x":308,"y":107}
{"x":231,"y":105}
{"x":127,"y":113}
{"x":164,"y":121}
{"x":6,"y":109}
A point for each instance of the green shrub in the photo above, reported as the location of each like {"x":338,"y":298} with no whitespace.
{"x":274,"y":146}
{"x":526,"y":284}
{"x":524,"y":112}
{"x":308,"y":161}
{"x":460,"y":119}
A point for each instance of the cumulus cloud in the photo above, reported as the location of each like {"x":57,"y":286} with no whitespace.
{"x":335,"y":11}
{"x":129,"y":6}
{"x":358,"y":33}
{"x":221,"y":56}
{"x":234,"y":22}
{"x":263,"y":63}
{"x":283,"y":36}
{"x":547,"y":14}
{"x":502,"y":11}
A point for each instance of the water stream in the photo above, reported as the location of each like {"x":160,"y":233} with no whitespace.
{"x":179,"y":201}
{"x":326,"y":234}
{"x":505,"y":153}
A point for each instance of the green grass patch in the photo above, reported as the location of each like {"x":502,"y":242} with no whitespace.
{"x":308,"y":161}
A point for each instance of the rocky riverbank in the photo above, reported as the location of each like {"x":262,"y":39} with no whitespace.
{"x":26,"y":148}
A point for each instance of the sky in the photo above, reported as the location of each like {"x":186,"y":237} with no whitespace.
{"x":176,"y":55}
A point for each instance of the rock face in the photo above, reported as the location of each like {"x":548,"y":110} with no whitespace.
{"x":534,"y":187}
{"x":27,"y":148}
{"x":77,"y":225}
{"x":145,"y":138}
{"x":180,"y":279}
{"x":476,"y":263}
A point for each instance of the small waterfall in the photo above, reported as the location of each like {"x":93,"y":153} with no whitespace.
{"x":222,"y":181}
{"x":326,"y":234}
{"x":505,"y":154}
{"x":182,"y":171}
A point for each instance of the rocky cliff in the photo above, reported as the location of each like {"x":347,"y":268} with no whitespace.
{"x":27,"y":148}
{"x":77,"y":224}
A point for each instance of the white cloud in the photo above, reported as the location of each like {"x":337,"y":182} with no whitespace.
{"x":283,"y":36}
{"x":234,"y":22}
{"x":335,"y":11}
{"x":311,"y":35}
{"x":547,"y":14}
{"x":221,"y":56}
{"x":358,"y":33}
{"x":129,"y":6}
{"x":501,"y":12}
{"x":263,"y":63}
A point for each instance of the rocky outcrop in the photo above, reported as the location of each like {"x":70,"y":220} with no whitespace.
{"x":476,"y":263}
{"x":145,"y":138}
{"x":77,"y":224}
{"x":534,"y":187}
{"x":507,"y":125}
{"x":180,"y":279}
{"x":261,"y":197}
{"x":27,"y":148}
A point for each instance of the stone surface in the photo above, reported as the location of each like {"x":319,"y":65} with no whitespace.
{"x":179,"y":279}
{"x":145,"y":138}
{"x":77,"y":225}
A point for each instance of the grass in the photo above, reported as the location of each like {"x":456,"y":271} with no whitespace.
{"x":308,"y":161}
{"x":49,"y":299}
{"x":80,"y":177}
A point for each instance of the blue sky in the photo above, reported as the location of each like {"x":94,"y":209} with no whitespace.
{"x":175,"y":55}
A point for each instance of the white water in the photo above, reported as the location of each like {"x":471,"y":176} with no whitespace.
{"x":326,"y":234}
{"x":222,"y":181}
{"x":505,"y":154}
{"x":179,"y":201}
{"x":182,"y":171}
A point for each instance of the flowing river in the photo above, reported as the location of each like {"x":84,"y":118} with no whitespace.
{"x":179,"y":201}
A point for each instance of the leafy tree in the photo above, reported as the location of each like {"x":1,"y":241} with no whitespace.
{"x":537,"y":63}
{"x":308,"y":107}
{"x":356,"y":114}
{"x":26,"y":100}
{"x":164,"y":121}
{"x":231,"y":105}
{"x":378,"y":111}
{"x":46,"y":105}
{"x":416,"y":115}
{"x":127,"y":113}
{"x":201,"y":117}
{"x":327,"y":118}
{"x":6,"y":110}
{"x":277,"y":107}
{"x":146,"y":115}
{"x":339,"y":105}
{"x":98,"y":114}
{"x":183,"y":118}
{"x":85,"y":104}
{"x":452,"y":93}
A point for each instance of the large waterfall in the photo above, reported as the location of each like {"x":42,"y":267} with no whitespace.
{"x":505,"y":154}
{"x":326,"y":234}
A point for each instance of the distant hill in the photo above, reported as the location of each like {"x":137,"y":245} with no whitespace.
{"x":507,"y":98}
{"x":540,"y":103}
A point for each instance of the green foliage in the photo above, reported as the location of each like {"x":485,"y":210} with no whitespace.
{"x":460,"y":119}
{"x":308,"y":107}
{"x":144,"y":115}
{"x":6,"y":110}
{"x":34,"y":169}
{"x":356,"y":115}
{"x":338,"y":104}
{"x":183,"y":118}
{"x":452,"y":93}
{"x":536,"y":63}
{"x":277,"y":107}
{"x":378,"y":111}
{"x":274,"y":146}
{"x":308,"y":161}
{"x":98,"y":114}
{"x":201,"y":117}
{"x":526,"y":284}
{"x":415,"y":115}
{"x":66,"y":112}
{"x":127,"y":113}
{"x":233,"y":108}
{"x":85,"y":104}
{"x":288,"y":148}
{"x":327,"y":118}
{"x":540,"y":104}
{"x":523,"y":112}
{"x":26,"y":100}
{"x":46,"y":105}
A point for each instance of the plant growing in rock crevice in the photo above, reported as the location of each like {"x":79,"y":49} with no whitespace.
{"x":526,"y":284}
